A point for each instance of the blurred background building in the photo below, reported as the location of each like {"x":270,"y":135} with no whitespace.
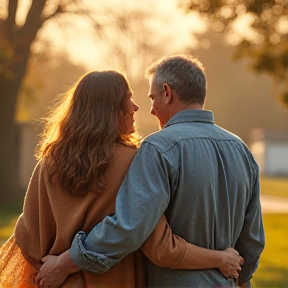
{"x":270,"y":149}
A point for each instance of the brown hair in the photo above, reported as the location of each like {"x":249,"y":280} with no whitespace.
{"x":80,"y":134}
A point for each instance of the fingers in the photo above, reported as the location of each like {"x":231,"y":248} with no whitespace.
{"x":234,"y":255}
{"x":37,"y":280}
{"x":48,"y":257}
{"x":239,"y":261}
{"x":42,"y":284}
{"x":233,"y":264}
{"x":44,"y":259}
{"x":232,"y":276}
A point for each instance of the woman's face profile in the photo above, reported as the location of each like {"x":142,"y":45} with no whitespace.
{"x":129,"y":117}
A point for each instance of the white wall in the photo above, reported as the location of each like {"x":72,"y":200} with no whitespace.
{"x":276,"y":159}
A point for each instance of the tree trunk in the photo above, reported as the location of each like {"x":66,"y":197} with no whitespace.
{"x":9,"y":180}
{"x":10,"y":87}
{"x":20,"y":39}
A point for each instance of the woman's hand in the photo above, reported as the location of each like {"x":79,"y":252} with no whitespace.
{"x":231,"y":265}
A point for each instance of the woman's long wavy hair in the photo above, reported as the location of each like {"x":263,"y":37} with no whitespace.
{"x":80,"y":134}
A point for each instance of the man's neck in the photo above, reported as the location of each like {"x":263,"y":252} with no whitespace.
{"x":195,"y":106}
{"x":184,"y":106}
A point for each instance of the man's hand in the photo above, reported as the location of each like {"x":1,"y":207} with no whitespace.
{"x":232,"y":264}
{"x":55,"y":270}
{"x":50,"y":274}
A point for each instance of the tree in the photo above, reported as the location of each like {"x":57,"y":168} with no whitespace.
{"x":15,"y":47}
{"x":131,"y":42}
{"x":265,"y":38}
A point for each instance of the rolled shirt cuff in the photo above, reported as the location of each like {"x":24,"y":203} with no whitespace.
{"x":88,"y":260}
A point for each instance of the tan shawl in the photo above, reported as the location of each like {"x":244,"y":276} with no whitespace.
{"x":51,"y":218}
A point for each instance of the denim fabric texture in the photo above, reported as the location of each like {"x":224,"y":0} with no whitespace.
{"x":205,"y":180}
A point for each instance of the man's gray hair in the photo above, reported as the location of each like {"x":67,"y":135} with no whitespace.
{"x":184,"y":74}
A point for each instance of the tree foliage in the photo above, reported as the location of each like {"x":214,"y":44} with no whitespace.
{"x":264,"y":41}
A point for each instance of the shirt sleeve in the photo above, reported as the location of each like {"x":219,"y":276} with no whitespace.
{"x":251,"y":241}
{"x":142,"y":198}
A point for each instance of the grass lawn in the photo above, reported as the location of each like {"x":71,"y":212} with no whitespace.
{"x":273,"y":267}
{"x":275,"y":187}
{"x":8,"y":217}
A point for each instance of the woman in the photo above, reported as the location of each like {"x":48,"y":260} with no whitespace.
{"x":87,"y":146}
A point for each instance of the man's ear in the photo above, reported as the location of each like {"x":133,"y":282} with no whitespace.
{"x":167,"y":93}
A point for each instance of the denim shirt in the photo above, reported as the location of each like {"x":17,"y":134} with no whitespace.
{"x":205,"y":180}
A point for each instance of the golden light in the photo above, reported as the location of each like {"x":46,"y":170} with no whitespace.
{"x":242,"y":28}
{"x":22,"y":10}
{"x":226,"y":11}
{"x":282,"y":25}
{"x":127,"y":27}
{"x":274,"y":38}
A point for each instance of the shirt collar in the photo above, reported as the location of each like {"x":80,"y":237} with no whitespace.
{"x":191,"y":115}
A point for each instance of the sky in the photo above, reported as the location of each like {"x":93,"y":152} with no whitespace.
{"x":137,"y":29}
{"x":155,"y":25}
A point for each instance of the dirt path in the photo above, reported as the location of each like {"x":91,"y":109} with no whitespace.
{"x":274,"y":204}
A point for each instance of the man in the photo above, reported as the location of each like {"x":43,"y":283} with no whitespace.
{"x":201,"y":176}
